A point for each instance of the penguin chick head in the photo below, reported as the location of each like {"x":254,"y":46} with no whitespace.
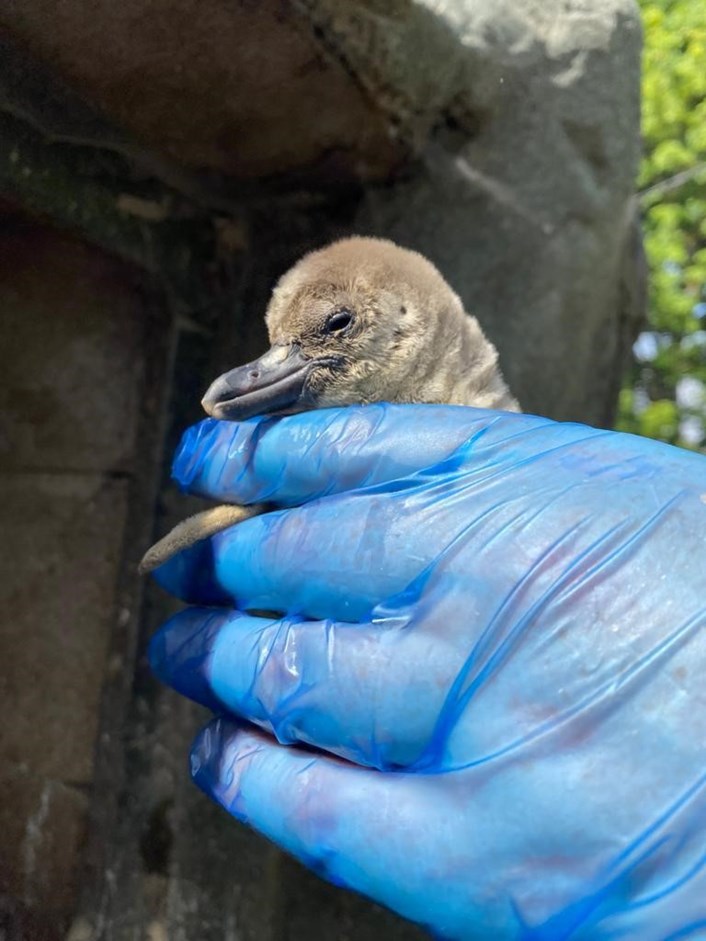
{"x":359,"y":321}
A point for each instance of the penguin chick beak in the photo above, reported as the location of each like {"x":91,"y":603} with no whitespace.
{"x":275,"y":382}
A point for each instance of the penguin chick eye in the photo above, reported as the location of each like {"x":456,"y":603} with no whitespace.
{"x":339,"y":321}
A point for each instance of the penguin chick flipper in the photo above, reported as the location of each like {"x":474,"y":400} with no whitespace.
{"x":194,"y":529}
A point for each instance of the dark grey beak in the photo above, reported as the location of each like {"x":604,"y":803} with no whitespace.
{"x":275,"y":381}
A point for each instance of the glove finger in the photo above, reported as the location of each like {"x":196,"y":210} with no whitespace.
{"x":354,"y":827}
{"x":190,"y":575}
{"x":342,"y":556}
{"x":321,"y":560}
{"x":477,"y":854}
{"x":343,"y":688}
{"x":301,"y":457}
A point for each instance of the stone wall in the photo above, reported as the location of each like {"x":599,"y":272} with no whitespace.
{"x":160,"y":165}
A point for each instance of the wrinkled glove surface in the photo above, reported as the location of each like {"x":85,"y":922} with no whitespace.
{"x":499,"y":621}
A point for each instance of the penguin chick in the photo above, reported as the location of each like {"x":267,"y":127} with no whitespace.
{"x":359,"y":321}
{"x":363,"y":320}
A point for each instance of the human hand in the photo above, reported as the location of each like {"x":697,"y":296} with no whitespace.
{"x":500,"y":621}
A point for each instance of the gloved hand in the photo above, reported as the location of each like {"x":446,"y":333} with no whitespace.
{"x":500,"y":622}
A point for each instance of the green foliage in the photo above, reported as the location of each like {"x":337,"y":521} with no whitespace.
{"x":665,"y":392}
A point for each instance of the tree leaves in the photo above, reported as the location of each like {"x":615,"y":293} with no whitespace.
{"x":673,"y":186}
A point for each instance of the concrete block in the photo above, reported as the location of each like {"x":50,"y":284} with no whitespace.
{"x":43,"y":825}
{"x":58,"y":558}
{"x":71,"y":353}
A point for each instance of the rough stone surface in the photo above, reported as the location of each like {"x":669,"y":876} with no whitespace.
{"x":242,"y":88}
{"x":54,"y":637}
{"x":72,"y":365}
{"x":530,"y":215}
{"x":70,"y":358}
{"x":43,"y":823}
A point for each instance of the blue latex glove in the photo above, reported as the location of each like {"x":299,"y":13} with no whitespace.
{"x":501,"y":621}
